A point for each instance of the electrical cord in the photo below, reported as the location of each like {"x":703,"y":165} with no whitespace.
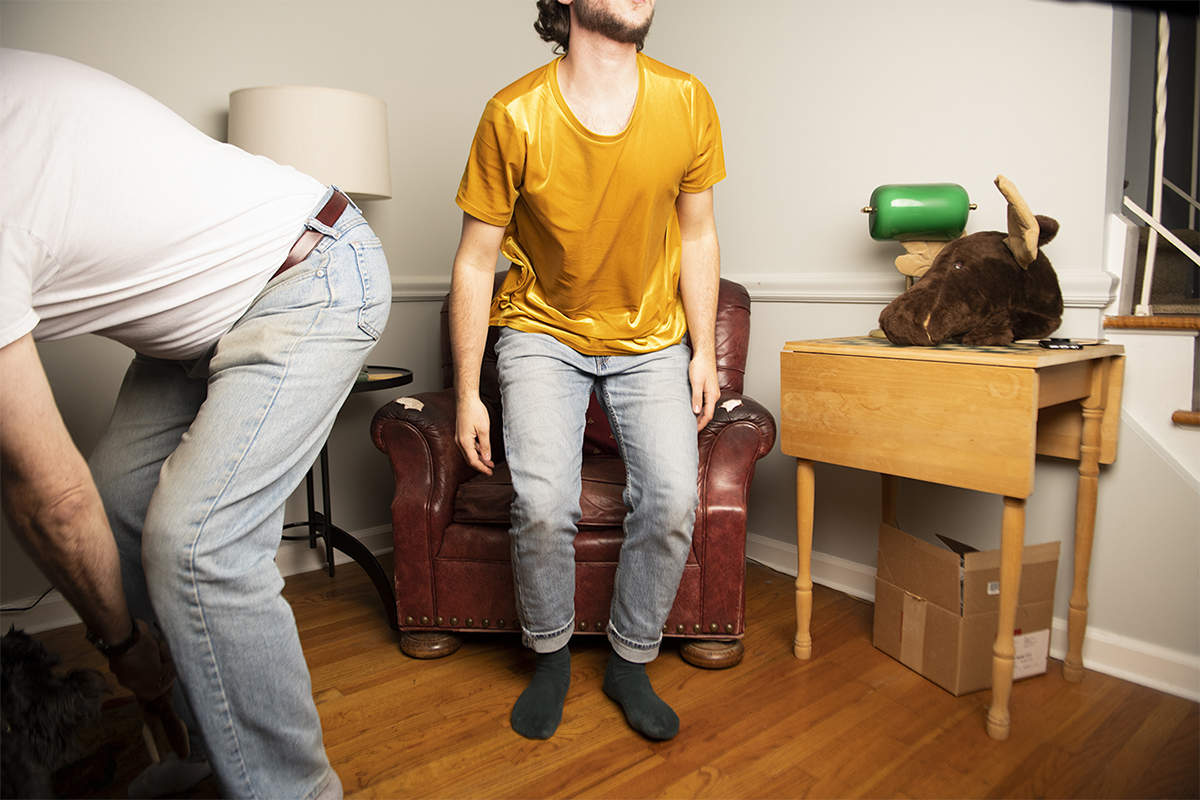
{"x":7,"y":609}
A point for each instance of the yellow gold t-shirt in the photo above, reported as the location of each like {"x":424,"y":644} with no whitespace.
{"x":590,"y":219}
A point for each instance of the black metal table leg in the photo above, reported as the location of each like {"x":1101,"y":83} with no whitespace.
{"x":320,"y":524}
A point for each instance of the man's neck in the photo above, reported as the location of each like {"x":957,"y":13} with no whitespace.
{"x":599,"y":80}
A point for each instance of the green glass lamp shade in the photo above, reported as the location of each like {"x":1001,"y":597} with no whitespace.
{"x":918,"y":212}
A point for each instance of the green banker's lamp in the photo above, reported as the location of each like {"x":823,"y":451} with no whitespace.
{"x":922,"y":217}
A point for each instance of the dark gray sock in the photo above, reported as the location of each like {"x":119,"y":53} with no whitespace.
{"x":539,"y":708}
{"x":628,"y":684}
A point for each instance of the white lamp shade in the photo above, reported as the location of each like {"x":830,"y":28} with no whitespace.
{"x":336,"y":136}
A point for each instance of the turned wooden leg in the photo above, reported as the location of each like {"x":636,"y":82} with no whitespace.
{"x":1085,"y":529}
{"x":1012,"y":546}
{"x":429,"y":644}
{"x":891,"y":491}
{"x":805,"y":496}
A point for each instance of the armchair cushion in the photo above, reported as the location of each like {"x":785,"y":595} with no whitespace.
{"x":485,"y":500}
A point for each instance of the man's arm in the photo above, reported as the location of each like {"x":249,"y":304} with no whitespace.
{"x":699,"y":282}
{"x":470,"y":299}
{"x":57,"y":516}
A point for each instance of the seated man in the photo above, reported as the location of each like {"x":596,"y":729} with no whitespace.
{"x":119,"y":218}
{"x":594,"y":176}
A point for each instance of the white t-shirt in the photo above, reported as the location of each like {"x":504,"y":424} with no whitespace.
{"x":119,"y":218}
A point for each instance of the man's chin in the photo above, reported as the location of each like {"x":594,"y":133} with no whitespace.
{"x":609,"y":25}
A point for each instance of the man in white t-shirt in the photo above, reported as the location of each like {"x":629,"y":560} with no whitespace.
{"x":251,"y":295}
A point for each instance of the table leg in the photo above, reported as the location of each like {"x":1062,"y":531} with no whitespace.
{"x":1012,"y":546}
{"x":338,"y":539}
{"x":320,"y":525}
{"x":326,"y":513}
{"x":891,"y":491}
{"x":1085,"y":529}
{"x":312,"y":509}
{"x":805,"y":495}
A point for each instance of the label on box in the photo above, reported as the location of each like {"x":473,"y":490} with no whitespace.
{"x":1030,"y":651}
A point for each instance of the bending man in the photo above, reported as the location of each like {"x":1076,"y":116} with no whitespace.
{"x":120,"y":219}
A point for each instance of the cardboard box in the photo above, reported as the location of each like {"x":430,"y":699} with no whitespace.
{"x":936,"y":611}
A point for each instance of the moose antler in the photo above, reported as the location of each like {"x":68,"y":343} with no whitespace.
{"x":1023,"y":226}
{"x":918,"y":257}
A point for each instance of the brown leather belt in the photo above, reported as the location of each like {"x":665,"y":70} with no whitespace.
{"x":328,"y":215}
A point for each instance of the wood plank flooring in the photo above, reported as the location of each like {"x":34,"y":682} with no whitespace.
{"x":851,"y":722}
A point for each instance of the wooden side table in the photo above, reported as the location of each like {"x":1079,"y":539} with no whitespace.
{"x":972,"y":417}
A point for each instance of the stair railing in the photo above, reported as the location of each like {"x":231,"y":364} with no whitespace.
{"x":1160,"y":139}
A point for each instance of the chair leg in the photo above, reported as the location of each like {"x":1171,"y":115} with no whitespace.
{"x":713,"y":654}
{"x":429,"y":644}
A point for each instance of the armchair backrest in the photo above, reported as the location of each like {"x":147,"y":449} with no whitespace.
{"x":732,"y":345}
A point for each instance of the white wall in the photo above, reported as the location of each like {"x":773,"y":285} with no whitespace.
{"x":820,"y":102}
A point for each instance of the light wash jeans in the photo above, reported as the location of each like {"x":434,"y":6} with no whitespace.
{"x":545,"y":388}
{"x":194,"y":470}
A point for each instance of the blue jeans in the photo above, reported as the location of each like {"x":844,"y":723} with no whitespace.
{"x":194,"y":470}
{"x":545,"y":388}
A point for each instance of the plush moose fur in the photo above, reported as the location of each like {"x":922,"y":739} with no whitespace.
{"x":43,"y":712}
{"x":986,"y":288}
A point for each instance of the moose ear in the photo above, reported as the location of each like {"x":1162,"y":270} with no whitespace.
{"x":1023,"y":228}
{"x":1047,"y":229}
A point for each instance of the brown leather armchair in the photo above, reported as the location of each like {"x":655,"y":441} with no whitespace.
{"x":450,"y":523}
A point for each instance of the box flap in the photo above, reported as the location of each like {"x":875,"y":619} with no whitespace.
{"x":922,"y":569}
{"x":957,"y":546}
{"x":943,"y":633}
{"x":912,"y":634}
{"x":1033,"y":554}
{"x":981,"y":579}
{"x":889,"y":611}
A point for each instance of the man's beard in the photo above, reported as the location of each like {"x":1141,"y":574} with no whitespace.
{"x":602,"y":21}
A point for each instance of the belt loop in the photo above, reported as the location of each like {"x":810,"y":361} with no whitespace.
{"x":327,"y":216}
{"x":337,"y":190}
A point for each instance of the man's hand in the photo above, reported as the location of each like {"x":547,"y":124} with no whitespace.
{"x":146,"y":670}
{"x":702,"y":372}
{"x":472,"y":434}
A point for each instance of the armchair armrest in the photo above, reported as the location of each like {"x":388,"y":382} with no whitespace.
{"x":740,"y":433}
{"x":743,"y":416}
{"x":417,"y":435}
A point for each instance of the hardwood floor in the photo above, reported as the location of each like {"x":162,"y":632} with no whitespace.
{"x":851,"y":722}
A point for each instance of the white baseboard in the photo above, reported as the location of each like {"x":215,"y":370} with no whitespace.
{"x":1140,"y":662}
{"x":845,"y":576}
{"x":293,"y":558}
{"x":1145,"y":664}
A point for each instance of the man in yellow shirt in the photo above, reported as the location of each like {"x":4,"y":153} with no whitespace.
{"x":593,"y":175}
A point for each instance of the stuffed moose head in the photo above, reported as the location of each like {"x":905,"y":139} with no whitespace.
{"x":985,"y":288}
